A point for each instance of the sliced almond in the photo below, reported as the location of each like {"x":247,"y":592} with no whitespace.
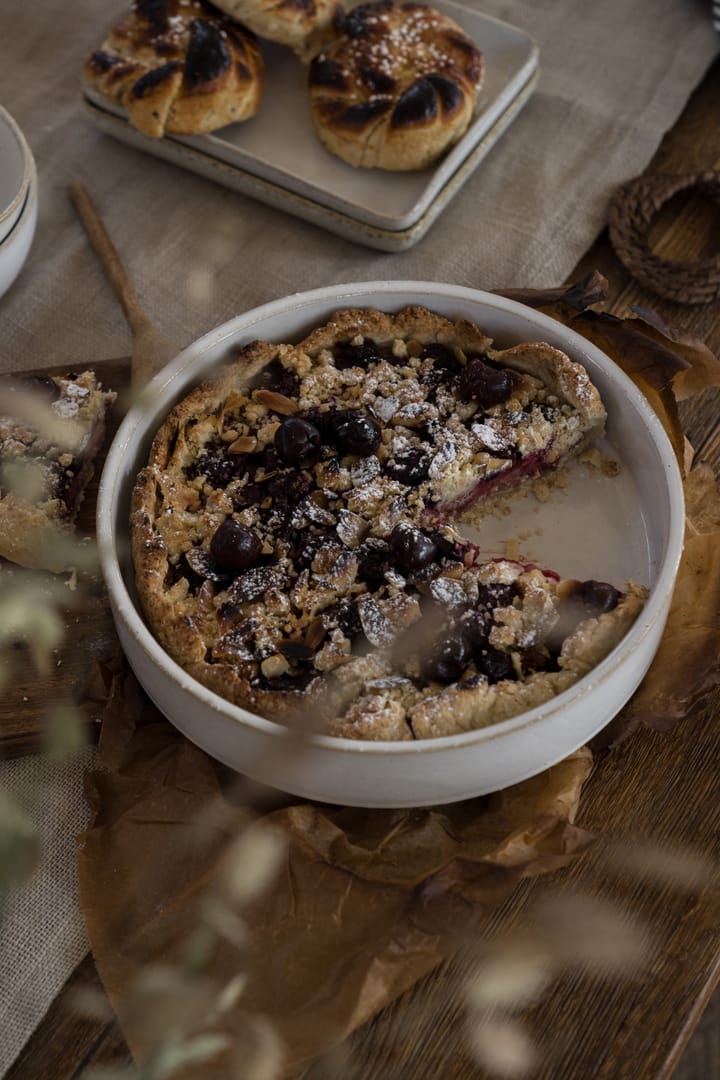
{"x":277,"y":402}
{"x":245,"y":444}
{"x":315,"y":633}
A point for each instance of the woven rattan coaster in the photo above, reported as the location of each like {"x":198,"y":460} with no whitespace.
{"x":631,"y":212}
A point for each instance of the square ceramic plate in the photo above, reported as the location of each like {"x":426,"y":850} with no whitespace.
{"x":276,"y":157}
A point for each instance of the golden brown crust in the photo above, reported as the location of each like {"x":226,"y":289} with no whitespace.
{"x":29,"y":535}
{"x":397,"y":89}
{"x":303,"y":25}
{"x":179,"y":66}
{"x":277,"y":636}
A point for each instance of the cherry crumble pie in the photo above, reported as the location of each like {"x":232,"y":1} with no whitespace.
{"x":297,"y":541}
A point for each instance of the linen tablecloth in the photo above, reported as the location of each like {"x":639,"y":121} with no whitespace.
{"x":614,"y":77}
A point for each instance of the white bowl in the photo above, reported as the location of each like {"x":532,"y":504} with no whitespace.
{"x":16,"y":170}
{"x":640,"y":515}
{"x":16,"y":245}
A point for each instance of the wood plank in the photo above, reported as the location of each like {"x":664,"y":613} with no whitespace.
{"x":71,"y":1041}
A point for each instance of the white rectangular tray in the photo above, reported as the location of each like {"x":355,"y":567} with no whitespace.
{"x":277,"y":158}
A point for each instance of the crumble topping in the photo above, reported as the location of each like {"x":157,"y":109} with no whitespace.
{"x":297,"y":532}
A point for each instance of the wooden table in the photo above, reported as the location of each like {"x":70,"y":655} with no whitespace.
{"x":664,"y":788}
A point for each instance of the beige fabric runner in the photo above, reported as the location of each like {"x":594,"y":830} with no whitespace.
{"x":614,"y":77}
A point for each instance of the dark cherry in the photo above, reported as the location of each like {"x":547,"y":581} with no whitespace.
{"x":296,"y":650}
{"x":234,"y":546}
{"x":249,"y":495}
{"x":449,"y":658}
{"x":267,"y":459}
{"x":484,"y":384}
{"x":297,"y":441}
{"x":347,"y":355}
{"x":476,"y":626}
{"x":445,"y":365}
{"x":344,"y":615}
{"x":494,"y":664}
{"x":447,"y":549}
{"x":218,"y":467}
{"x":277,"y":377}
{"x":443,"y":358}
{"x":410,"y":467}
{"x":412,"y":549}
{"x":597,"y":596}
{"x":373,"y":559}
{"x":535,"y":659}
{"x":287,"y":489}
{"x":496,"y":595}
{"x":356,"y":432}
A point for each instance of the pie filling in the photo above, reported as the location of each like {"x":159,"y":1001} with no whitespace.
{"x":297,"y":533}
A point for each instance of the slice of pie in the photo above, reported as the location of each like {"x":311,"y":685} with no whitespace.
{"x":297,"y":532}
{"x":52,"y":428}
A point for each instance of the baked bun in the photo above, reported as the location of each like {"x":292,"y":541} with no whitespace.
{"x":179,"y":66}
{"x":302,"y":25}
{"x":397,"y":89}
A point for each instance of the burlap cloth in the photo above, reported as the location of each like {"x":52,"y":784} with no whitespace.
{"x":614,"y":77}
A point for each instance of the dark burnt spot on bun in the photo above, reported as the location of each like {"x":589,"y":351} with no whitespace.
{"x":357,"y":116}
{"x":450,"y":94}
{"x":324,"y":72}
{"x":155,"y":11}
{"x":361,"y":20}
{"x":152,"y":79}
{"x":103,"y":62}
{"x":208,"y":55}
{"x":298,"y":5}
{"x":417,"y":105}
{"x":379,"y":82}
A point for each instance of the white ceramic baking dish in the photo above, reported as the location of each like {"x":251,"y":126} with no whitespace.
{"x":17,"y":168}
{"x":630,"y":526}
{"x":18,"y":200}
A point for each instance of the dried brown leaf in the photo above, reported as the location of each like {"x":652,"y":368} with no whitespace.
{"x":358,"y":889}
{"x":583,"y":294}
{"x":704,"y":367}
{"x":702,"y":501}
{"x":651,"y":365}
{"x":691,"y":632}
